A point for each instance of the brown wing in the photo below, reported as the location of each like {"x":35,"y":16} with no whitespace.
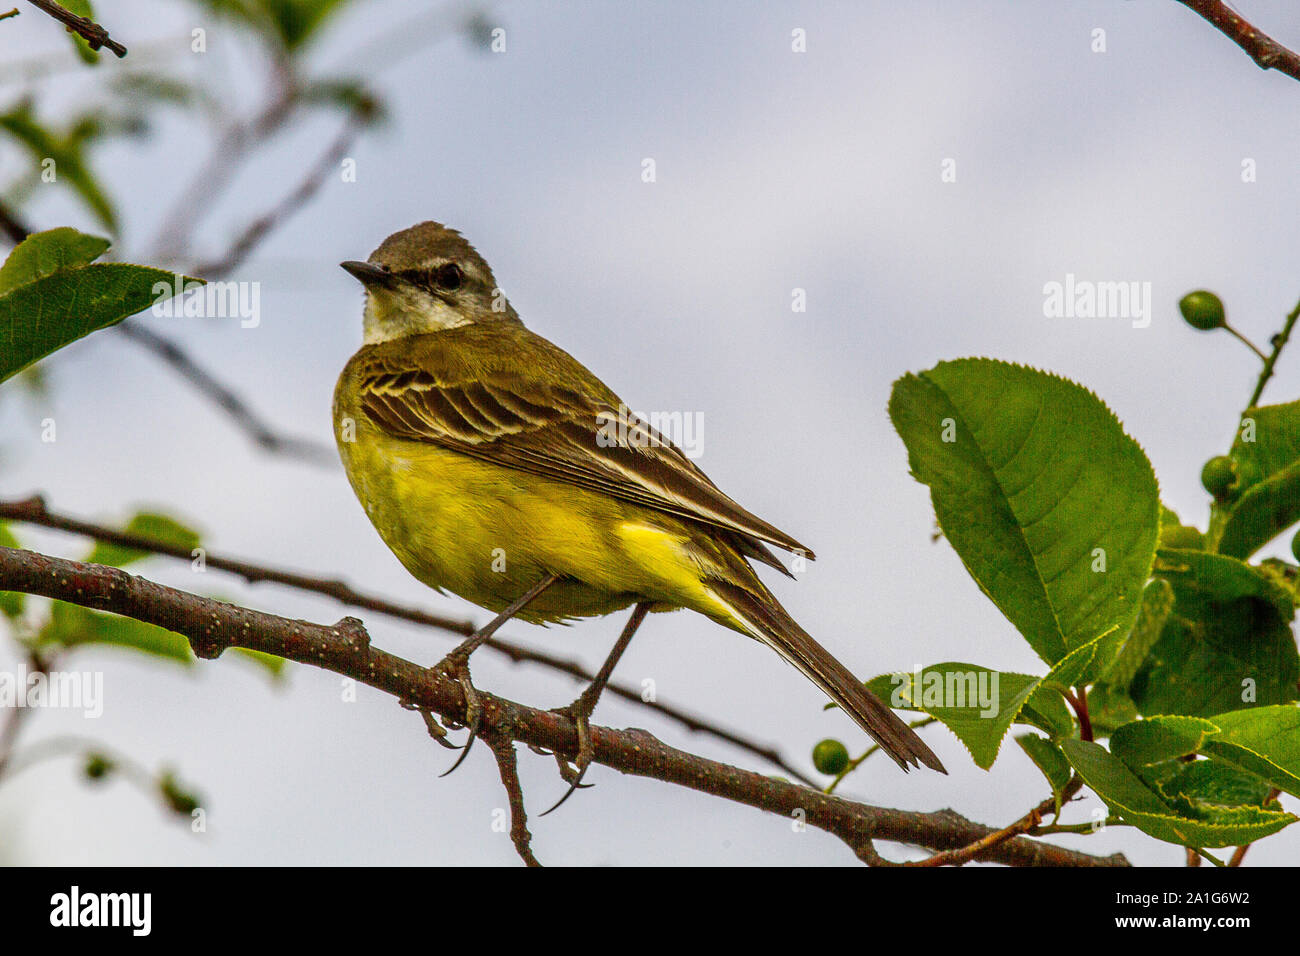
{"x":562,"y":434}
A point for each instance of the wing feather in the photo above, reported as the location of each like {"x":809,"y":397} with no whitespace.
{"x":562,"y":434}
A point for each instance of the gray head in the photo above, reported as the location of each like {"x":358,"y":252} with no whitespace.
{"x":427,"y":279}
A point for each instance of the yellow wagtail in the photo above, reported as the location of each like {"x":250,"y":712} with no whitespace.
{"x":480,"y":452}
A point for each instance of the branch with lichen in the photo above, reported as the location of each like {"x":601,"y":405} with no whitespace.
{"x":344,"y":648}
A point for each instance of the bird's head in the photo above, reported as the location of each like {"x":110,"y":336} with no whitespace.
{"x":427,"y":279}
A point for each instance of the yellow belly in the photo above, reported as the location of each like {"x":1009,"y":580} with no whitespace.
{"x":488,"y":533}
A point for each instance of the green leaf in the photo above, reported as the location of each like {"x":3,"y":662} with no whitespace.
{"x":71,"y":625}
{"x":1050,"y":759}
{"x":1209,"y":783}
{"x":1047,"y":710}
{"x":1157,"y":604}
{"x":45,"y":253}
{"x":977,"y":704}
{"x":157,"y":527}
{"x":53,"y":308}
{"x":1175,"y":534}
{"x":1262,"y":740}
{"x":1046,"y":707}
{"x":1283,"y":574}
{"x":1129,"y":798}
{"x":1038,"y":475}
{"x":1228,"y":633}
{"x":1145,"y":742}
{"x":1268,"y":499}
{"x":1109,"y":707}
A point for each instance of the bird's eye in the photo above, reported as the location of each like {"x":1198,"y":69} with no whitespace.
{"x":448,"y":277}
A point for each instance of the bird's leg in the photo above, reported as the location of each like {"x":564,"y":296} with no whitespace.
{"x":581,"y":709}
{"x":456,"y":663}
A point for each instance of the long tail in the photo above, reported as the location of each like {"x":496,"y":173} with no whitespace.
{"x":778,"y":629}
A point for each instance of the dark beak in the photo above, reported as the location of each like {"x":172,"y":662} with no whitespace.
{"x":369,"y":275}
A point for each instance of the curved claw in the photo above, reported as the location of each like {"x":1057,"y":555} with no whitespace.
{"x":583,"y":761}
{"x":473,"y":709}
{"x":464,"y":752}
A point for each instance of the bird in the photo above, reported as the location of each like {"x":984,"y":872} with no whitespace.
{"x":496,"y":467}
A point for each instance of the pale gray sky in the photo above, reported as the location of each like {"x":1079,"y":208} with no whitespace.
{"x":775,"y":170}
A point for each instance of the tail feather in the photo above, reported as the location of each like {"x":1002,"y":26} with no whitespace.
{"x":778,"y":630}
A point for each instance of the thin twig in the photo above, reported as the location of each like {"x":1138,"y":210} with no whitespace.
{"x":1078,"y":702}
{"x":213,"y":626}
{"x":217,"y":172}
{"x":982,"y":846}
{"x":14,"y":722}
{"x":503,"y":749}
{"x":33,"y":511}
{"x":206,"y":384}
{"x":260,"y":227}
{"x":1267,"y":53}
{"x":303,"y":449}
{"x":1279,"y":342}
{"x":120,"y":765}
{"x":90,"y":31}
{"x":1245,"y":341}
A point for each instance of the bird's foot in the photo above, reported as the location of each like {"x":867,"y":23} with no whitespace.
{"x":580,"y":713}
{"x":456,"y":666}
{"x":436,"y":730}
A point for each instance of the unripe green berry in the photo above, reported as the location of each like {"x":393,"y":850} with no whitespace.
{"x":1202,"y":310}
{"x":1295,"y":545}
{"x":830,"y":757}
{"x":1219,"y":476}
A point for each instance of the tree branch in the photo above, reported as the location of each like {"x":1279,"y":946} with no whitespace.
{"x":239,"y":411}
{"x":33,"y":511}
{"x":1267,"y":53}
{"x":90,"y":31}
{"x":1025,"y":824}
{"x":503,"y":749}
{"x":212,"y":626}
{"x":262,"y":226}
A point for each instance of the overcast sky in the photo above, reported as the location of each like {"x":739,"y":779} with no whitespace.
{"x":775,"y":170}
